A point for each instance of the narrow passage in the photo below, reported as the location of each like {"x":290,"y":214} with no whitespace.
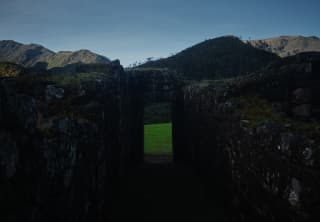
{"x":160,"y":190}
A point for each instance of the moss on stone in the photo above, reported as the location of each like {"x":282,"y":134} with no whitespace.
{"x":75,"y":79}
{"x":257,"y":110}
{"x":10,"y":70}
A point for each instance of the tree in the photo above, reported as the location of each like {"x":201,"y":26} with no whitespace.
{"x":149,"y":59}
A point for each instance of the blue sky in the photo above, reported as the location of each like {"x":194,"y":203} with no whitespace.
{"x":132,"y":30}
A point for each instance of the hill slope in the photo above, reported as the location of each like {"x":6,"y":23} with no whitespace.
{"x":216,"y":58}
{"x":32,"y":54}
{"x":64,"y":58}
{"x":26,"y":55}
{"x":288,"y":45}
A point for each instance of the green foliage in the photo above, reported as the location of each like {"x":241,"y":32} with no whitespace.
{"x":157,"y":113}
{"x":257,"y":110}
{"x":10,"y":70}
{"x":311,"y":129}
{"x":48,"y":132}
{"x":74,"y":79}
{"x":158,"y":138}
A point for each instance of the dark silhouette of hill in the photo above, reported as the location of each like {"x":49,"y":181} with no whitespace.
{"x":217,"y":58}
{"x":36,"y":55}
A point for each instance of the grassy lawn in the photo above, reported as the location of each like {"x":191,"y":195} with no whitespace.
{"x":158,"y":138}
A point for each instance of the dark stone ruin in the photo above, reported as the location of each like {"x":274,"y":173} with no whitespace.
{"x":62,"y":147}
{"x":157,"y":87}
{"x":253,"y":141}
{"x":257,"y":138}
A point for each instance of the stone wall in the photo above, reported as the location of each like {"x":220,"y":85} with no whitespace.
{"x":158,"y":84}
{"x":248,"y":136}
{"x":157,"y":87}
{"x":62,"y":146}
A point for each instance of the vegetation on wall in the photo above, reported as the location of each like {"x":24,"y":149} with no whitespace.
{"x":157,"y":113}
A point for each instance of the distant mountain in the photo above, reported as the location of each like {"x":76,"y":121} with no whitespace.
{"x":36,"y":55}
{"x":64,"y":58}
{"x":222,"y":57}
{"x":26,"y":55}
{"x":288,"y":45}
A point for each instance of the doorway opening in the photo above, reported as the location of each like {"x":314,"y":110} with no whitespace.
{"x":158,"y":130}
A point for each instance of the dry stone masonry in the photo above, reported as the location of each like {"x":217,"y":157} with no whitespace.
{"x":61,"y":146}
{"x":258,"y":137}
{"x":65,"y":138}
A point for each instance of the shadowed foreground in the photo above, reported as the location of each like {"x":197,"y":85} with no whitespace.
{"x":163,"y":191}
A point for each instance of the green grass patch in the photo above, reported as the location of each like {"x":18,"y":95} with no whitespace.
{"x":158,"y":138}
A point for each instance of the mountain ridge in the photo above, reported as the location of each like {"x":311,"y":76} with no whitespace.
{"x":36,"y":55}
{"x":221,"y":57}
{"x":30,"y":55}
{"x":287,"y":45}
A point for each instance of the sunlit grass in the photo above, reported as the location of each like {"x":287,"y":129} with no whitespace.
{"x":158,"y":138}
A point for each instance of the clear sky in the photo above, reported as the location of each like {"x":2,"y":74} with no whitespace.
{"x":132,"y":30}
